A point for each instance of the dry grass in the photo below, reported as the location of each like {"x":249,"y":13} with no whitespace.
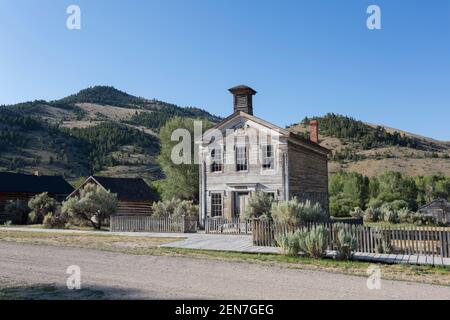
{"x":100,"y":242}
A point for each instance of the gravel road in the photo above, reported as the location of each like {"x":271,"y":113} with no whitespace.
{"x":122,"y":276}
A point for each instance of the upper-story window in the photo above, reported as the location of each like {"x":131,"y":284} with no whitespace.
{"x":241,"y":158}
{"x":267,"y":157}
{"x":216,"y":160}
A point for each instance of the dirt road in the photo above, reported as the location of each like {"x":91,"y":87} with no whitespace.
{"x":158,"y":277}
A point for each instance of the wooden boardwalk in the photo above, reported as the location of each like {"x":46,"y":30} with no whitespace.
{"x":243,"y":244}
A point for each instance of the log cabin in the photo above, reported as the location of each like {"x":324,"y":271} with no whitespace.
{"x":15,"y":186}
{"x":439,"y":209}
{"x":134,"y":196}
{"x":244,"y":154}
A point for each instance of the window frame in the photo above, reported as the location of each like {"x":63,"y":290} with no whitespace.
{"x":241,"y":167}
{"x":264,"y":157}
{"x":216,"y":205}
{"x":216,"y":164}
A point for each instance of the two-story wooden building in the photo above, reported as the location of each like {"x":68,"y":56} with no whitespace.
{"x":243,"y":154}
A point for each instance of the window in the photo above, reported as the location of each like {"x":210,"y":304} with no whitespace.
{"x":271,"y":194}
{"x":241,"y":158}
{"x":216,"y":204}
{"x":267,"y":157}
{"x":216,"y":160}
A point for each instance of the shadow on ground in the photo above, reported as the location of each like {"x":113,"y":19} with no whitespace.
{"x":55,"y":292}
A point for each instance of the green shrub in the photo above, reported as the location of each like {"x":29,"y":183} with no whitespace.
{"x":398,"y":205}
{"x":390,"y":216}
{"x":7,"y":223}
{"x":372,"y":215}
{"x":259,"y":206}
{"x":345,"y":243}
{"x":375,"y":203}
{"x":55,"y":220}
{"x":19,"y":211}
{"x":313,"y":242}
{"x":357,"y":213}
{"x":40,"y":205}
{"x":93,"y":205}
{"x":405,"y":216}
{"x":289,"y":243}
{"x":294,"y":212}
{"x":175,"y":208}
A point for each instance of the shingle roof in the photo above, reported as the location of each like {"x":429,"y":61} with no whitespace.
{"x":16,"y":182}
{"x":131,"y":189}
{"x":438,"y":202}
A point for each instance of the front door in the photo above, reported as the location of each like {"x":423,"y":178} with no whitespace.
{"x":240,"y":203}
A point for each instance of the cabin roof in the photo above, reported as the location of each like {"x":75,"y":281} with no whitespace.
{"x":126,"y":189}
{"x":436,"y":202}
{"x":295,"y":138}
{"x":25,"y":183}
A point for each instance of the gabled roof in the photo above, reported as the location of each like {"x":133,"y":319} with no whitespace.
{"x":126,"y":189}
{"x":25,"y":183}
{"x":439,"y":201}
{"x":292,"y":137}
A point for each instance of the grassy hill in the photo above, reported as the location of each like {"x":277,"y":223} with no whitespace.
{"x":103,"y":130}
{"x":98,"y":130}
{"x":372,"y":149}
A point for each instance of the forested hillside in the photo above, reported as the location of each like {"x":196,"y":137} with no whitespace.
{"x":98,"y":130}
{"x":373,"y":149}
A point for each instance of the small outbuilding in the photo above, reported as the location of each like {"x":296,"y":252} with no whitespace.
{"x":439,"y":209}
{"x":134,"y":195}
{"x":15,"y":186}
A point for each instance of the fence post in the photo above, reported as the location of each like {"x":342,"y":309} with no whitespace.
{"x":183,"y":223}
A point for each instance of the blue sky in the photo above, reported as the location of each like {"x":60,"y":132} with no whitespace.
{"x":303,"y":57}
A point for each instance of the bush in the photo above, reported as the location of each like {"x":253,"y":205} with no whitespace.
{"x":345,"y":243}
{"x":294,"y":212}
{"x":259,"y":206}
{"x":19,"y":211}
{"x":93,"y":205}
{"x":375,"y":203}
{"x":420,"y":220}
{"x":372,"y":215}
{"x":314,"y":242}
{"x":405,"y":215}
{"x":55,"y":220}
{"x":390,"y":216}
{"x":40,"y":206}
{"x":398,"y":205}
{"x":289,"y":243}
{"x":341,"y":207}
{"x":7,"y":223}
{"x":357,"y":213}
{"x":188,"y":209}
{"x":175,"y":208}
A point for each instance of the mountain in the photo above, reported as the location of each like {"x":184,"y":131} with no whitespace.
{"x":372,"y":149}
{"x":99,"y":130}
{"x":103,"y":130}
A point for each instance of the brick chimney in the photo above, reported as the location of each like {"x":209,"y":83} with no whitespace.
{"x":314,"y":131}
{"x":243,"y":99}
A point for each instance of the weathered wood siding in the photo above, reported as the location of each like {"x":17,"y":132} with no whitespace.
{"x":308,"y":175}
{"x":134,"y":208}
{"x":7,"y":196}
{"x":219,"y":182}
